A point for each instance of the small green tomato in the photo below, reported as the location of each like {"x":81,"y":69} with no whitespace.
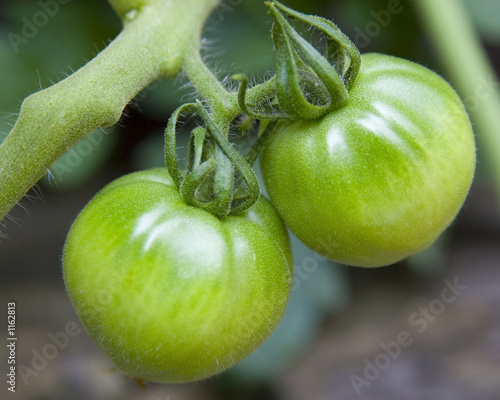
{"x":381,"y":178}
{"x":169,"y":292}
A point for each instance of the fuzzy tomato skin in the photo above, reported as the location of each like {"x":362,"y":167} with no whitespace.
{"x":381,"y":178}
{"x":168,"y":291}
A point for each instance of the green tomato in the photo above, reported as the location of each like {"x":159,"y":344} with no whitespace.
{"x":169,"y":292}
{"x":381,"y":178}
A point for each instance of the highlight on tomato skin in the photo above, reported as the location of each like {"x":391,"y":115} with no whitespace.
{"x":381,"y":178}
{"x":169,"y":292}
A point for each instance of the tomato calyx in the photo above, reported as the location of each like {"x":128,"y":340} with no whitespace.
{"x":215,"y":171}
{"x":309,"y":83}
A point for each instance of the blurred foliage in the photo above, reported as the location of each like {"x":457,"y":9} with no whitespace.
{"x":485,"y":14}
{"x":59,"y":47}
{"x":376,"y":28}
{"x":74,"y":35}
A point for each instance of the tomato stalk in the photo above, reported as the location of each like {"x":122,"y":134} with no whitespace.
{"x":222,"y":103}
{"x":259,"y":102}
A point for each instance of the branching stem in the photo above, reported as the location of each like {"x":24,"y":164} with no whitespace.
{"x":155,"y":41}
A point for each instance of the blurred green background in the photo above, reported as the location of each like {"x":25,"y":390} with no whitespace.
{"x":338,"y":317}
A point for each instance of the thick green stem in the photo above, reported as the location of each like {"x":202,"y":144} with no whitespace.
{"x":468,"y":65}
{"x":154,"y":42}
{"x":223,"y":104}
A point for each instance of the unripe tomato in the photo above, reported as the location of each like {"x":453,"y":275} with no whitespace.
{"x":381,"y":178}
{"x":168,"y":291}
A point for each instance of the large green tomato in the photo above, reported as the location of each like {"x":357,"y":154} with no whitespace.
{"x":168,"y":291}
{"x":381,"y":178}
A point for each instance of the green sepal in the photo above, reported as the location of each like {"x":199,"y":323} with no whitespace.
{"x":239,"y":163}
{"x":340,"y":48}
{"x":195,"y":148}
{"x":170,"y":141}
{"x":302,"y":68}
{"x":212,"y":163}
